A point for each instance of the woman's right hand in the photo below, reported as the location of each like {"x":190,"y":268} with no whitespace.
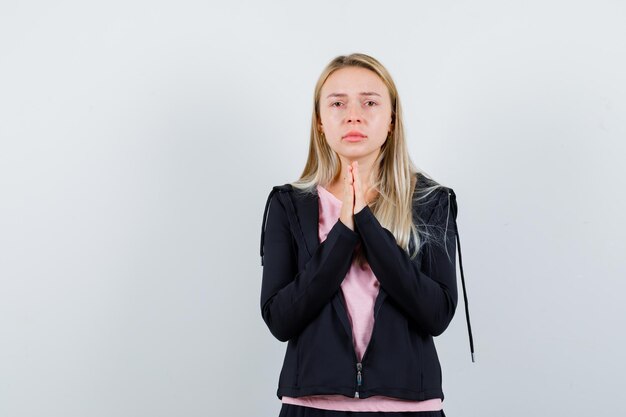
{"x":347,"y":208}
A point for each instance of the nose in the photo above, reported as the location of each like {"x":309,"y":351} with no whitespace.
{"x":354,"y":114}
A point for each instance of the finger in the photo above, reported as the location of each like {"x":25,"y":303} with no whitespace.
{"x":357,"y":177}
{"x":359,"y":195}
{"x":347,"y":208}
{"x":347,"y":186}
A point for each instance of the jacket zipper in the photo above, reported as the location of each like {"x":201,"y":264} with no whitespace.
{"x":359,"y":378}
{"x":359,"y":365}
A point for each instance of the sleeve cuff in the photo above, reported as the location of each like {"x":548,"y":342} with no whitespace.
{"x":364,"y":216}
{"x":346,"y":231}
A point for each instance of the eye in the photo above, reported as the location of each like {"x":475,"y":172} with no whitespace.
{"x":370,"y":101}
{"x":336,"y":102}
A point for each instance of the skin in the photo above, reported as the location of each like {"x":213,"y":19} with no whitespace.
{"x":369,"y":114}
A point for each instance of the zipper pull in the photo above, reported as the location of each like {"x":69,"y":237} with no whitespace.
{"x":359,"y":378}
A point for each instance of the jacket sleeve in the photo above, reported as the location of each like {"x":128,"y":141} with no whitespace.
{"x":290,"y":299}
{"x":425,"y":290}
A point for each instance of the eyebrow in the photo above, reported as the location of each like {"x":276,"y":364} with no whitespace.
{"x":367,"y":93}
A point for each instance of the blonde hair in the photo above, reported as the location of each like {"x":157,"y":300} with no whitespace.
{"x":396,"y":176}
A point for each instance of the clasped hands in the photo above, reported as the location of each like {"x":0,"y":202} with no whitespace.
{"x":353,"y":195}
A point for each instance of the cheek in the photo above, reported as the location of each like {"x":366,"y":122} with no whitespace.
{"x":331,"y":121}
{"x":333,"y":117}
{"x":382,"y":121}
{"x":325,"y":116}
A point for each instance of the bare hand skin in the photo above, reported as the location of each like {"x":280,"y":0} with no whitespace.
{"x":346,"y":215}
{"x":359,"y":193}
{"x":353,"y":195}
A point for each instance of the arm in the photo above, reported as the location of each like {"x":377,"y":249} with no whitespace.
{"x":290,"y":299}
{"x":428,"y":293}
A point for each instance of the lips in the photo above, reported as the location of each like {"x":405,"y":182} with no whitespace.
{"x":353,"y":136}
{"x":355,"y":133}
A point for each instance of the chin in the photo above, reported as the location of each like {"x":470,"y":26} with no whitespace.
{"x":356,"y":152}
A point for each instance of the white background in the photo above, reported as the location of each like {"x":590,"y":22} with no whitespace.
{"x":139,"y":141}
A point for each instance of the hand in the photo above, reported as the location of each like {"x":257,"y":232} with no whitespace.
{"x":359,"y":193}
{"x":347,"y":207}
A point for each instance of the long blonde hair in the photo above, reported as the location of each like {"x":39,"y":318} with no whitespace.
{"x":396,"y":176}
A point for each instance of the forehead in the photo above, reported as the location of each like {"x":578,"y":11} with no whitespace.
{"x":353,"y":81}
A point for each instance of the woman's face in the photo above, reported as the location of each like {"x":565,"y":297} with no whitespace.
{"x":355,"y":99}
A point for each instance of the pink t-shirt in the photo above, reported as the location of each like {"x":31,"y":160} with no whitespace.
{"x":360,"y":288}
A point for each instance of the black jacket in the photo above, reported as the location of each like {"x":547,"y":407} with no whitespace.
{"x":301,"y":301}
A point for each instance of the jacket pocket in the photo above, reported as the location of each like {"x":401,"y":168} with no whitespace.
{"x":393,"y":359}
{"x":289,"y":371}
{"x":325,"y":355}
{"x":431,"y":367}
{"x":417,"y":345}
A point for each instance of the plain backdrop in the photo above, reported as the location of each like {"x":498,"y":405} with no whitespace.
{"x":139,"y":141}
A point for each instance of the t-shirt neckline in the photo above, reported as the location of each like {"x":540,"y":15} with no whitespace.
{"x":331,"y":195}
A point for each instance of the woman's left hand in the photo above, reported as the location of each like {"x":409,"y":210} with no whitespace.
{"x":359,"y":193}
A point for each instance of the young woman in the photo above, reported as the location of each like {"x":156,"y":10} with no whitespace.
{"x":358,"y":259}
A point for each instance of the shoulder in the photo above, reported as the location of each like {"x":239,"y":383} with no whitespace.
{"x":289,"y":195}
{"x":424,"y":182}
{"x":432,"y":199}
{"x":295,"y":189}
{"x":284,"y":187}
